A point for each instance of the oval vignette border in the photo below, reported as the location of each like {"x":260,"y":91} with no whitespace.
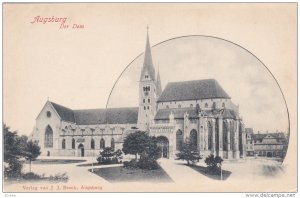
{"x":214,"y":37}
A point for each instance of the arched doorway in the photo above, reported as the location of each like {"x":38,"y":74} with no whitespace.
{"x":81,"y":150}
{"x":163,"y":144}
{"x":269,"y":154}
{"x":193,"y":138}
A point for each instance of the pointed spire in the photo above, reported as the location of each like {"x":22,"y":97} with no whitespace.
{"x":158,"y":83}
{"x":148,"y":64}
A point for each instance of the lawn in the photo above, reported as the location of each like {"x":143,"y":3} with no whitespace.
{"x":56,"y":161}
{"x":204,"y":171}
{"x":121,"y":174}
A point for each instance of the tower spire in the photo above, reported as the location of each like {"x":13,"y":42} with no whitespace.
{"x":148,"y":63}
{"x":158,"y":83}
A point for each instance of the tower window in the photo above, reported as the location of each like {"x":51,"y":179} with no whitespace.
{"x":143,"y":100}
{"x":92,"y":144}
{"x":144,"y":107}
{"x":148,"y":100}
{"x":146,"y":76}
{"x":147,"y":107}
{"x":147,"y":88}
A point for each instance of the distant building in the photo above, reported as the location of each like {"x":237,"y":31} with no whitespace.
{"x":249,"y":141}
{"x":270,"y":144}
{"x":266,"y":144}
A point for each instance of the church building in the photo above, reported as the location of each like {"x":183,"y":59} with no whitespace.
{"x":199,"y":111}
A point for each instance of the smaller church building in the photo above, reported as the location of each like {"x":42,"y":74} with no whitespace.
{"x":199,"y":111}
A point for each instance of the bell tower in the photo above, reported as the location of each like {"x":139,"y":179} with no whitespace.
{"x":147,"y":90}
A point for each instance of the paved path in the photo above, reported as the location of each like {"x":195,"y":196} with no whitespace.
{"x":180,"y":172}
{"x":247,"y":175}
{"x":78,"y":176}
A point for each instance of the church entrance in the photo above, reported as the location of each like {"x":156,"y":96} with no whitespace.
{"x":163,"y":144}
{"x":81,"y":150}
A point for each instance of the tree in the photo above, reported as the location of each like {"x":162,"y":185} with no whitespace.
{"x":188,"y":152}
{"x":17,"y":148}
{"x":140,"y":143}
{"x":135,"y":143}
{"x":214,"y":163}
{"x":13,"y":151}
{"x":32,"y":151}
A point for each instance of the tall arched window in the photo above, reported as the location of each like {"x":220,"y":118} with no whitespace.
{"x":63,"y":144}
{"x":193,"y":138}
{"x":73,"y":143}
{"x":48,"y":137}
{"x":112,"y":144}
{"x":217,"y":134}
{"x":102,"y":143}
{"x":179,"y":139}
{"x":231,"y":135}
{"x":209,"y":135}
{"x":92,"y":144}
{"x":214,"y":105}
{"x":224,"y":136}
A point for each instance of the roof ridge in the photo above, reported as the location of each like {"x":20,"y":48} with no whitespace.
{"x":105,"y":108}
{"x":60,"y":105}
{"x":185,"y":81}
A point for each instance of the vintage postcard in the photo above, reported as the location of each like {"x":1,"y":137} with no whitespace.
{"x":150,"y":97}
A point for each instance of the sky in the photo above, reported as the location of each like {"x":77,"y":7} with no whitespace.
{"x":242,"y":76}
{"x":77,"y":68}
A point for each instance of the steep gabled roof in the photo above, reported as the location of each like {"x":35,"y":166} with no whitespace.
{"x":65,"y":113}
{"x":107,"y":116}
{"x":192,"y":90}
{"x":97,"y":116}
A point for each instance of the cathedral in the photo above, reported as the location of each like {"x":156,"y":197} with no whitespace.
{"x":199,"y":111}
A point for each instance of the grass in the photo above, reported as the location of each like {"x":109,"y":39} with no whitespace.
{"x":204,"y":171}
{"x":121,"y":174}
{"x":56,"y":161}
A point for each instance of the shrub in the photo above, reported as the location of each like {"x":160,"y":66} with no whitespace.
{"x":14,"y":169}
{"x":31,"y":176}
{"x":131,"y":164}
{"x":59,"y":177}
{"x":144,"y":163}
{"x":214,"y":164}
{"x":148,"y":163}
{"x":189,"y":153}
{"x":108,"y":156}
